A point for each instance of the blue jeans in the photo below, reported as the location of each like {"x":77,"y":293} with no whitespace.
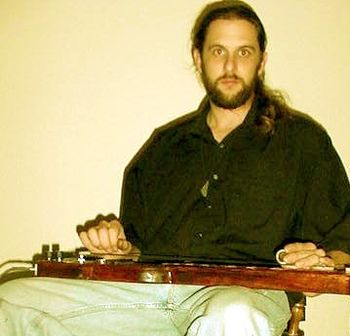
{"x":60,"y":307}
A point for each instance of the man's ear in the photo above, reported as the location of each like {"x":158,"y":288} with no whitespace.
{"x":262,"y":65}
{"x":197,"y":59}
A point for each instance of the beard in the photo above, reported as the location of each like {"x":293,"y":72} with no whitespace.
{"x":229,"y":101}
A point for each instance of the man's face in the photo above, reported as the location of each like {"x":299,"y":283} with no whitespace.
{"x":231,"y":62}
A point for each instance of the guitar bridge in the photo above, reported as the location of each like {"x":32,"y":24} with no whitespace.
{"x":155,"y":275}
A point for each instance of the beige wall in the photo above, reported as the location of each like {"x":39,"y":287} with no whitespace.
{"x":84,"y":82}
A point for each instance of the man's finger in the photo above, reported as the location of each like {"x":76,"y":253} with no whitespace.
{"x":295,"y":247}
{"x":327,"y":261}
{"x":103,"y":235}
{"x":307,"y":261}
{"x":94,"y":237}
{"x":113,"y":238}
{"x":294,"y":257}
{"x":87,"y":243}
{"x":123,"y":245}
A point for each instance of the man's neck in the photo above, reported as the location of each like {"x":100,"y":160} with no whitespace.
{"x":223,"y":121}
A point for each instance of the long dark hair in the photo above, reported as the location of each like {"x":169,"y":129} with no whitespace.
{"x":272,"y":103}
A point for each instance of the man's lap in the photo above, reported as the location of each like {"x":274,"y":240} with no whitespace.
{"x":82,"y":307}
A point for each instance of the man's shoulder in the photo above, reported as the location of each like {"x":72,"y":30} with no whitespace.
{"x":179,"y":125}
{"x":303,"y":129}
{"x":174,"y":131}
{"x":185,"y":123}
{"x":298,"y":121}
{"x":165,"y":137}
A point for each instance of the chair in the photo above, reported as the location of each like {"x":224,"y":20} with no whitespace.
{"x":298,"y":315}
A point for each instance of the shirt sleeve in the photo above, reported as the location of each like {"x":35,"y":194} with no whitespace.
{"x":131,"y":208}
{"x":326,"y":218}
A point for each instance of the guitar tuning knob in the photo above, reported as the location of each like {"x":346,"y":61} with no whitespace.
{"x":55,"y":247}
{"x":45,"y":250}
{"x":56,"y":254}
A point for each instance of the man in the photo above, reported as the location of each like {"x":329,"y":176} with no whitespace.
{"x":172,"y":180}
{"x":237,"y":180}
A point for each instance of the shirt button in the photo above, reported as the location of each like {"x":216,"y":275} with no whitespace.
{"x":215,"y":177}
{"x":199,"y":235}
{"x":222,"y":146}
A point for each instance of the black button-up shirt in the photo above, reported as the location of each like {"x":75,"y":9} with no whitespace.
{"x":185,"y":195}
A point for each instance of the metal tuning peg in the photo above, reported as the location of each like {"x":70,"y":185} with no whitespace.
{"x":56,"y":254}
{"x":45,"y":250}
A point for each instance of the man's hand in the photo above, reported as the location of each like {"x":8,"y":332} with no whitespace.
{"x":105,"y":235}
{"x":306,"y":255}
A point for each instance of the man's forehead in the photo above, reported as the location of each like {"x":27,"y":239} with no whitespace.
{"x":232,"y":31}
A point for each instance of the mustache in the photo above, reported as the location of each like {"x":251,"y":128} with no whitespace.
{"x":230,"y":77}
{"x":234,"y":76}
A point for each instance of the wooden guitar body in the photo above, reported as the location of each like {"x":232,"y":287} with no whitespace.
{"x":294,"y":280}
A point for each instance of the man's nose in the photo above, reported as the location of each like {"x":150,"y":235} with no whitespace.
{"x":230,"y":64}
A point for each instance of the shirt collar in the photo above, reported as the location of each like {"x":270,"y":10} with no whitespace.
{"x":200,"y":126}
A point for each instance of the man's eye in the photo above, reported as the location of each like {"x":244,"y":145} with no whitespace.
{"x":243,"y":53}
{"x":218,"y":52}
